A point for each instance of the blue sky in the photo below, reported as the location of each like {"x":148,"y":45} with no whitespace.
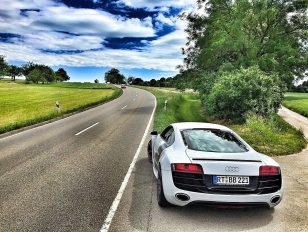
{"x":142,"y":38}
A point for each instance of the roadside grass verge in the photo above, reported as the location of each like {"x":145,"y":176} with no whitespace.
{"x":271,"y":136}
{"x":23,"y":105}
{"x":78,"y":85}
{"x":180,"y":108}
{"x":297,"y":102}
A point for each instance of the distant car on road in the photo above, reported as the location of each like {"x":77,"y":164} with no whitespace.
{"x":211,"y":164}
{"x":123,"y":86}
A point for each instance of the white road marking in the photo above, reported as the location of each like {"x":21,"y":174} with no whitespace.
{"x":87,"y":128}
{"x":118,"y":197}
{"x":123,"y":107}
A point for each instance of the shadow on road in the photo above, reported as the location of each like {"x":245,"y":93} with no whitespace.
{"x":144,"y":207}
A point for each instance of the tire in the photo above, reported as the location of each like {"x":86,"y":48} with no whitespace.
{"x":150,"y":151}
{"x":161,"y":200}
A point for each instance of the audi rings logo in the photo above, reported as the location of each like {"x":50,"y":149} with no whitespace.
{"x":232,"y":169}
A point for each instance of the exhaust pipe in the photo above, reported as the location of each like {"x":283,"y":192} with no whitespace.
{"x":275,"y":199}
{"x":182,"y":196}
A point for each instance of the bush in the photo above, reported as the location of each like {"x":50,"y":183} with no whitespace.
{"x":237,"y":93}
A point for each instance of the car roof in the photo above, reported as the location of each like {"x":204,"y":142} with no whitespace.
{"x":195,"y":125}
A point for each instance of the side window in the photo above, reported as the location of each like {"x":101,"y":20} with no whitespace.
{"x":171,"y":139}
{"x":168,"y":135}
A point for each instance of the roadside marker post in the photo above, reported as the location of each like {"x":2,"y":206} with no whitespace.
{"x":166,"y":103}
{"x":58,"y":107}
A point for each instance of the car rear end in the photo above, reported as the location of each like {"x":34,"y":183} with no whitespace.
{"x":209,"y":182}
{"x":223,"y":170}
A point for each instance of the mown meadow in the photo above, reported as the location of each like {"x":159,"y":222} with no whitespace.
{"x":297,"y":102}
{"x":26,"y":104}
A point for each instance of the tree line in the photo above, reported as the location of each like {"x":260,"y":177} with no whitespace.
{"x":113,"y":76}
{"x":36,"y":73}
{"x":302,"y":88}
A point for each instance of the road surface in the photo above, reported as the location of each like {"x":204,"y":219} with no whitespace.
{"x":138,"y":210}
{"x":64,"y":176}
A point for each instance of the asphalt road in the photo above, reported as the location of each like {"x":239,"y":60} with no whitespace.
{"x":138,"y":209}
{"x":63,"y":176}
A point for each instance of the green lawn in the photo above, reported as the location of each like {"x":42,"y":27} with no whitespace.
{"x":272,"y":136}
{"x":25,"y":104}
{"x":297,"y":102}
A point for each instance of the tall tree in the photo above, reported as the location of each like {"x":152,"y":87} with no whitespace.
{"x":230,"y":34}
{"x":61,"y":75}
{"x":114,"y":76}
{"x":27,"y":68}
{"x":153,"y":82}
{"x":3,"y":66}
{"x":35,"y":75}
{"x":14,"y":71}
{"x":47,"y":74}
{"x":137,"y":81}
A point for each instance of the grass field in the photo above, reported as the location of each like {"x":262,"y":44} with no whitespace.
{"x":271,"y":136}
{"x":77,"y":85}
{"x":26,"y":104}
{"x":297,"y":102}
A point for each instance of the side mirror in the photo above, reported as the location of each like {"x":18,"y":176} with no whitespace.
{"x":154,"y":133}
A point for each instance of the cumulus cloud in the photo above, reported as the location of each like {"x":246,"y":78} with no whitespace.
{"x":89,"y":21}
{"x":51,"y":17}
{"x":52,"y":26}
{"x":162,"y":54}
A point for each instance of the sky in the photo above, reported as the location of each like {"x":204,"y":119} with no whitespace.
{"x":142,"y":38}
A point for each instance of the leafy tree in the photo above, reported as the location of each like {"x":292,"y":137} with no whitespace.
{"x":96,"y":81}
{"x":14,"y":71}
{"x":27,"y":68}
{"x":3,"y":66}
{"x":47,"y":74}
{"x":61,"y":75}
{"x":35,"y":75}
{"x":137,"y":81}
{"x":114,"y":76}
{"x":153,"y":82}
{"x":271,"y":34}
{"x":244,"y":91}
{"x":162,"y":82}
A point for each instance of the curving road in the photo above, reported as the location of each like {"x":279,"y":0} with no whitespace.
{"x":64,"y":176}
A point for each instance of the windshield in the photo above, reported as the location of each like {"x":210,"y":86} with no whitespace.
{"x":212,"y":140}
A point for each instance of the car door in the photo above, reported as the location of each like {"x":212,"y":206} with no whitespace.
{"x":164,"y":140}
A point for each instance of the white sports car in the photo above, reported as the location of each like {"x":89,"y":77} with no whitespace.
{"x":211,"y":164}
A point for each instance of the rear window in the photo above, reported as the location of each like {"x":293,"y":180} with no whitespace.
{"x":212,"y":140}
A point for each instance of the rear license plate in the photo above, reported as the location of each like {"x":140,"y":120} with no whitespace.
{"x":230,"y":180}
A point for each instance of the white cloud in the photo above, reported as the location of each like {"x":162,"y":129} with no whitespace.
{"x":151,"y":4}
{"x":89,"y":21}
{"x":61,"y":41}
{"x":87,"y":29}
{"x":162,"y":54}
{"x":84,"y":29}
{"x":163,"y":19}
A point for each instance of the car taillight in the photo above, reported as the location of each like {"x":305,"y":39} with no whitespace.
{"x":269,"y":170}
{"x":191,"y":168}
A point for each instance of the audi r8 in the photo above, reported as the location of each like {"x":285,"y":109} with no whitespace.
{"x":211,"y":164}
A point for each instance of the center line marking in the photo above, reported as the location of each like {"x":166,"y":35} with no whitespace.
{"x":116,"y":201}
{"x":87,"y":128}
{"x":123,"y":107}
